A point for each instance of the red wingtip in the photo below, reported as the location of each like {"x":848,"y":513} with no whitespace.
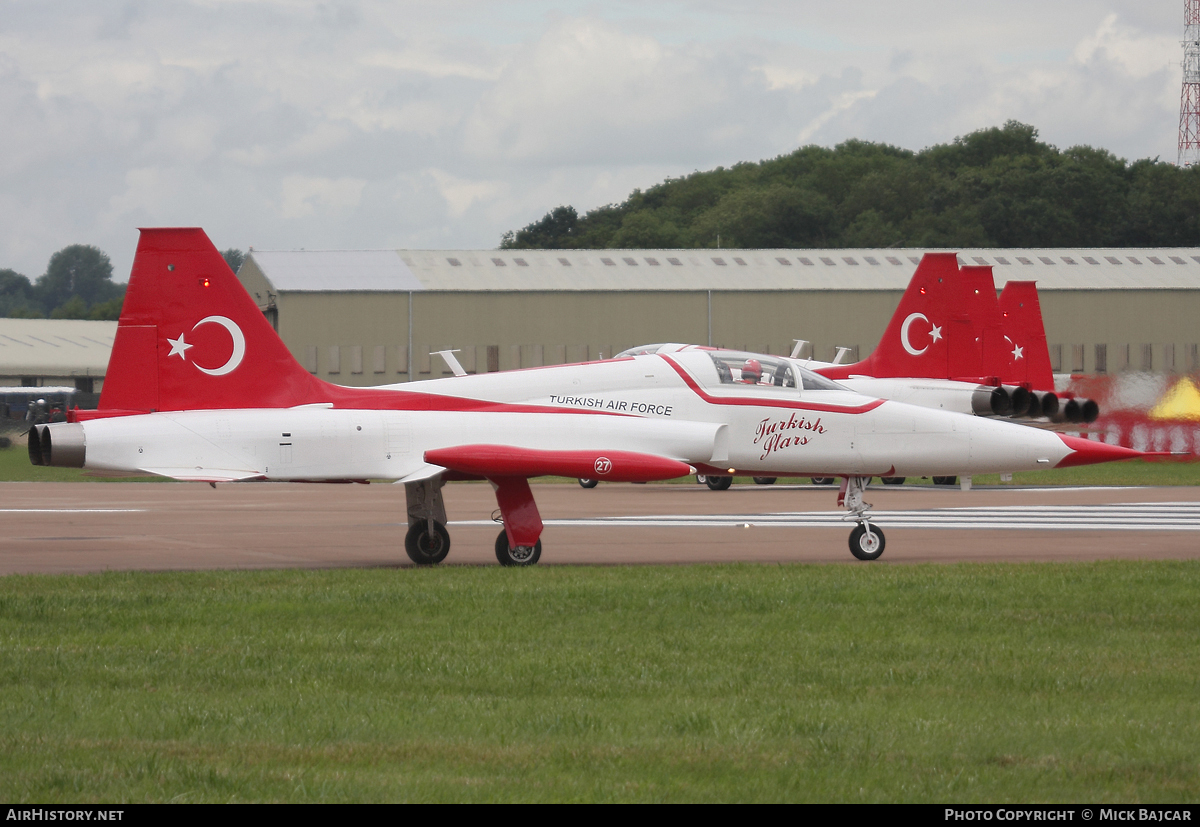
{"x":1090,"y":452}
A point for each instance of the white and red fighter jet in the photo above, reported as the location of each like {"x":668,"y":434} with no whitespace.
{"x":200,"y":388}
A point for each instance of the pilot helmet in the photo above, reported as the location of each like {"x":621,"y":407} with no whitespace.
{"x":752,"y":371}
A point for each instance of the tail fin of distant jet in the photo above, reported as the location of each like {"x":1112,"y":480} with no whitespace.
{"x":930,"y":323}
{"x":986,"y":357}
{"x":1026,"y":355}
{"x":190,"y":336}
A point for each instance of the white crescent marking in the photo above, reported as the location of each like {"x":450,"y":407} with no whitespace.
{"x":239,"y":345}
{"x":912,"y":351}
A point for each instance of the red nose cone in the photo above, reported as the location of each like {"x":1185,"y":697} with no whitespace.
{"x":1088,"y":452}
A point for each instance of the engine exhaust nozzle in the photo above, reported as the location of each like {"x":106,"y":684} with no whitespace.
{"x":61,"y":444}
{"x":988,"y":400}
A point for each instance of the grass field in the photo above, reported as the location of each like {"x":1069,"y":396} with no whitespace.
{"x":968,"y":683}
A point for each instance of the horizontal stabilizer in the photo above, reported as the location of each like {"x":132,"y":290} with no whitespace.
{"x":509,"y":461}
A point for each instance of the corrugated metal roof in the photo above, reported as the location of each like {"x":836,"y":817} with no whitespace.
{"x":585,"y":270}
{"x":55,"y":347}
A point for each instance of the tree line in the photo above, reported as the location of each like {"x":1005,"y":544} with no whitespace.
{"x":997,"y":187}
{"x":77,"y":284}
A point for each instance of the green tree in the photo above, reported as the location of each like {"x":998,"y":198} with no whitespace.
{"x":553,"y":231}
{"x":1000,"y":186}
{"x":79,"y":271}
{"x":16,"y":296}
{"x":234,"y":258}
{"x":73,"y":308}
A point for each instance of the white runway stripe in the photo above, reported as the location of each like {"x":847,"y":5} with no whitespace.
{"x":71,"y":510}
{"x":1120,"y":517}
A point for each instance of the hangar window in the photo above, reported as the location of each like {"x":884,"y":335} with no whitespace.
{"x":1056,"y":358}
{"x":828,"y":262}
{"x":1069,"y":260}
{"x":1024,"y":260}
{"x":653,"y":262}
{"x":894,"y":260}
{"x":850,"y":260}
{"x":499,"y":262}
{"x":740,"y":261}
{"x":720,"y":262}
{"x":520,"y":262}
{"x":807,"y":262}
{"x":1045,"y":259}
{"x":675,"y":262}
{"x":608,"y":262}
{"x":1178,"y":260}
{"x":870,"y":260}
{"x":1002,"y":260}
{"x":632,"y":262}
{"x":783,"y":260}
{"x":1101,"y":361}
{"x":1090,"y":260}
{"x":1112,"y":259}
{"x":454,"y":262}
{"x":1155,"y":260}
{"x":565,"y":262}
{"x":982,"y":262}
{"x":1134,"y":260}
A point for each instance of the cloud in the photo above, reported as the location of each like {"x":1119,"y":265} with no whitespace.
{"x":298,"y":123}
{"x":304,"y":196}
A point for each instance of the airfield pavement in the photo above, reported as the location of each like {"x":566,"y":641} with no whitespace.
{"x":90,"y":527}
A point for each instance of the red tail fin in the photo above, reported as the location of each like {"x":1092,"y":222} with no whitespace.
{"x":987,"y":355}
{"x":190,"y":336}
{"x":930,"y":320}
{"x":1027,"y":356}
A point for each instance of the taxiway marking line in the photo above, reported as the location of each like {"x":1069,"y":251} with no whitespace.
{"x":1122,"y":517}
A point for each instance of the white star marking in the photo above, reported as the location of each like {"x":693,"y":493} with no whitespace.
{"x":179,"y":347}
{"x":1017,"y":352}
{"x":935,"y":334}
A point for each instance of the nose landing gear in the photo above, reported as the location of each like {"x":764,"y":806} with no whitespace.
{"x":866,"y":540}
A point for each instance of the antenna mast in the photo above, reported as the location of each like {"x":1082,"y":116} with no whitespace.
{"x":1189,"y":100}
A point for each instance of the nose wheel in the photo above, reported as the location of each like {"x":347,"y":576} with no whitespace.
{"x":519,"y":556}
{"x":867,"y":542}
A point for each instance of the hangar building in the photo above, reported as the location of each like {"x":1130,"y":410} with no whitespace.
{"x":374,"y":316}
{"x":55,"y":352}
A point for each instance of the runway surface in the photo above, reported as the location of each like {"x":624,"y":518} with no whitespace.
{"x":87,"y":527}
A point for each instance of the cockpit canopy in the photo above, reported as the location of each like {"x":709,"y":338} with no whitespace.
{"x":736,"y":369}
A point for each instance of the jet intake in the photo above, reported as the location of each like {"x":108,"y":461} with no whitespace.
{"x":62,"y":444}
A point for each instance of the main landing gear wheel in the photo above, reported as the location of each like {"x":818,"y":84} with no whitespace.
{"x":423,"y":549}
{"x":588,"y":483}
{"x":893,"y":480}
{"x":822,"y":480}
{"x":764,"y":480}
{"x":864,"y":545}
{"x":718,"y":483}
{"x":519,"y":556}
{"x":945,"y":480}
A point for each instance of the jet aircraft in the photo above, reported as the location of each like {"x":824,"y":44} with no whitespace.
{"x":200,"y":388}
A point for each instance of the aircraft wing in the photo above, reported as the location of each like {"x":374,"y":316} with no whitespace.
{"x":511,"y":461}
{"x":205,"y":474}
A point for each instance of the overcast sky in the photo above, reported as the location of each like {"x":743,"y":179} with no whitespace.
{"x":285,"y":123}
